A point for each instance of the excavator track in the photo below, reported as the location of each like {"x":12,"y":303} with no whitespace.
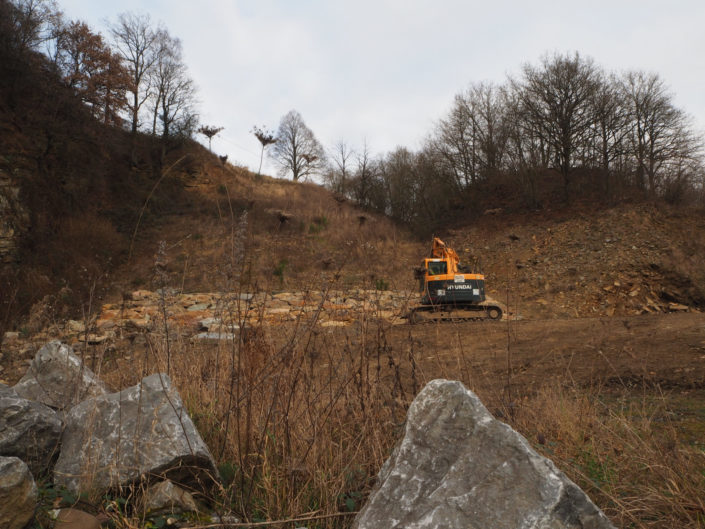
{"x":430,"y":314}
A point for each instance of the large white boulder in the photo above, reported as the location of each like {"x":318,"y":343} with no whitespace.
{"x":458,"y":467}
{"x":58,"y":378}
{"x":141,"y":432}
{"x":28,"y":430}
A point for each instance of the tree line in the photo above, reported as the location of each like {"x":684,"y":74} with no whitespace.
{"x":560,"y":130}
{"x":135,"y":78}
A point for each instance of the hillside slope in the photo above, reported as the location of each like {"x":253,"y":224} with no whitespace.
{"x":626,"y":260}
{"x":255,"y":232}
{"x":92,"y":212}
{"x":85,"y":207}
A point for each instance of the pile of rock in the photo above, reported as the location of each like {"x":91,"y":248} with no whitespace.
{"x":219,"y":316}
{"x":60,"y":422}
{"x":619,"y":262}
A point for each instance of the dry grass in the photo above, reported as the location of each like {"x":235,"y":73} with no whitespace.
{"x":300,"y":421}
{"x":298,"y":428}
{"x":624,"y":452}
{"x":299,"y":223}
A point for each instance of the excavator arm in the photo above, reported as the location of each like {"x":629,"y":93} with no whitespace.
{"x":439,"y":250}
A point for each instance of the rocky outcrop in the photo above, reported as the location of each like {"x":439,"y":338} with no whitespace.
{"x":58,"y":378}
{"x":457,"y":466}
{"x":28,"y":430}
{"x":141,"y":432}
{"x":18,"y":493}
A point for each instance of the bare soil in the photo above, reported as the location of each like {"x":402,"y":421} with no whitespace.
{"x":655,"y":358}
{"x":655,"y":350}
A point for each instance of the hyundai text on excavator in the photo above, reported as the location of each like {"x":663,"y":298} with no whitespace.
{"x":449,"y":292}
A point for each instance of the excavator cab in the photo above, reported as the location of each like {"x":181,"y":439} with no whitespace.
{"x":436,"y":267}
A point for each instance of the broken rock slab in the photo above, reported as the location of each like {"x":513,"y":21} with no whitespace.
{"x":58,"y":378}
{"x":166,"y":498}
{"x":457,"y":466}
{"x":29,"y":430}
{"x":141,"y":432}
{"x":18,"y":493}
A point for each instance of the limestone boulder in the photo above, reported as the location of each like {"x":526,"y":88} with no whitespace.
{"x":28,"y":430}
{"x":58,"y":378}
{"x":18,"y":493}
{"x":142,"y":432}
{"x":457,"y":466}
{"x":166,"y":498}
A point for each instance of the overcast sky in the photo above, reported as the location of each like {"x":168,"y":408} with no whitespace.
{"x":384,"y":71}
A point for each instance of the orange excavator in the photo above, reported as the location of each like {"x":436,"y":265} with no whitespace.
{"x":449,"y":292}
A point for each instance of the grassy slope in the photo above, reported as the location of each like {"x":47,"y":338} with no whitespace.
{"x":276,"y":233}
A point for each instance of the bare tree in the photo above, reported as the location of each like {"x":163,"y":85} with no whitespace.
{"x":338,"y":174}
{"x":659,"y":133}
{"x":136,"y":41}
{"x":610,"y":129}
{"x":398,"y":172}
{"x":556,"y":99}
{"x":471,"y":140}
{"x":174,"y":97}
{"x":454,"y":141}
{"x":31,"y":22}
{"x":297,"y":150}
{"x":490,"y":124}
{"x":265,"y":138}
{"x":364,"y":176}
{"x":527,"y":152}
{"x":209,"y":132}
{"x":366,"y":185}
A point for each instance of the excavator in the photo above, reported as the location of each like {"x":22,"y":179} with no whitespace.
{"x":449,"y":292}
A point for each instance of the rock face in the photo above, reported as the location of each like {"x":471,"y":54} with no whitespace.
{"x":58,"y":378}
{"x":18,"y":493}
{"x":459,"y":467}
{"x":28,"y":430}
{"x":142,"y":431}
